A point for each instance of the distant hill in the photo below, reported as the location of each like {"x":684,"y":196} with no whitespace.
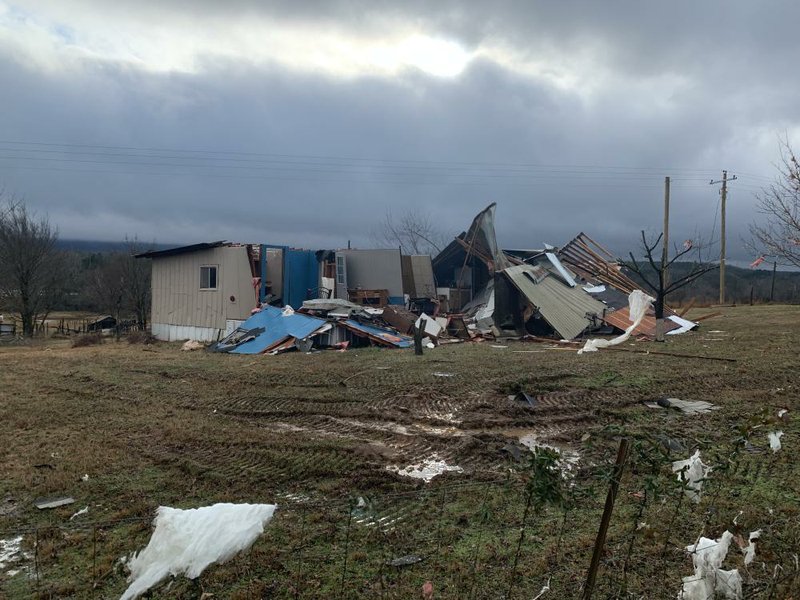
{"x":96,"y":246}
{"x":738,"y":285}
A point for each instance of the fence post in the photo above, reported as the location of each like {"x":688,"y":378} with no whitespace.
{"x":478,"y":543}
{"x":600,"y":542}
{"x":528,"y":498}
{"x":36,"y":562}
{"x":304,"y":520}
{"x":94,"y":559}
{"x":350,"y":506}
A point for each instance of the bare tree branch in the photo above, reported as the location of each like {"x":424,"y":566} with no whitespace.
{"x":779,"y":234}
{"x":33,"y":273}
{"x":413,"y":232}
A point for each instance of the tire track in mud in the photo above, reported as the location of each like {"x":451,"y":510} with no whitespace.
{"x":404,"y":416}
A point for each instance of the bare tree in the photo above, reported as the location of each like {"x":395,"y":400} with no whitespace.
{"x":33,"y":273}
{"x":107,"y":286}
{"x":779,"y":235}
{"x":414,"y":232}
{"x":121,"y":285}
{"x":655,"y":274}
{"x":137,"y":273}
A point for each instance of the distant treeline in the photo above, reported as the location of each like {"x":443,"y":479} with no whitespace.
{"x":740,"y":286}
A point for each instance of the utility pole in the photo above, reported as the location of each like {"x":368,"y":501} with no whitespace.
{"x":722,"y":239}
{"x":665,"y":249}
{"x":663,"y":276}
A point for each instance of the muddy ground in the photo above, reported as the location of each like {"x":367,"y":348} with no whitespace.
{"x":151,"y":425}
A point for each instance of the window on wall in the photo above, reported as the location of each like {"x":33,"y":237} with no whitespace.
{"x":340,"y":276}
{"x":208,"y":277}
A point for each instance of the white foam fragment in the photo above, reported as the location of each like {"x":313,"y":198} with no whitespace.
{"x":692,"y":471}
{"x":709,"y":579}
{"x":775,"y":440}
{"x":749,"y":551}
{"x":425,"y":470}
{"x":728,"y":584}
{"x":782,"y":412}
{"x":82,"y":511}
{"x":10,"y":551}
{"x":185,"y":542}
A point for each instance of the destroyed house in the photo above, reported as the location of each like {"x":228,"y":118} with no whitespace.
{"x":204,"y":291}
{"x":512,"y":292}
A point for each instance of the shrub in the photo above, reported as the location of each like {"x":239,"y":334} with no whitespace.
{"x":140,"y":337}
{"x":87,"y":339}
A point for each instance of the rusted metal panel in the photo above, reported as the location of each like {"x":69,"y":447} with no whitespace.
{"x":621,"y":319}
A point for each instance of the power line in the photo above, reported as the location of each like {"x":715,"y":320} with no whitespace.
{"x":224,"y":153}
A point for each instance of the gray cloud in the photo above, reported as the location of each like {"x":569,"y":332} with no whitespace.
{"x":680,"y":89}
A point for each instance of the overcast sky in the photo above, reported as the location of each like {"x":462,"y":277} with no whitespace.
{"x":302,"y":123}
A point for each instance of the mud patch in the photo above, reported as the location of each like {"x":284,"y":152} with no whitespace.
{"x":426,"y":469}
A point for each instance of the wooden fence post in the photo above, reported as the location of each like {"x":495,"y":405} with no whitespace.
{"x":600,"y":542}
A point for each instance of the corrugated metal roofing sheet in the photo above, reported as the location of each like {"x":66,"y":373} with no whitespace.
{"x":386,"y":336}
{"x":564,"y":308}
{"x":277,"y":327}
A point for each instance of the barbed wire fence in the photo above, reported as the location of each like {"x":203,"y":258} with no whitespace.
{"x":514,"y":537}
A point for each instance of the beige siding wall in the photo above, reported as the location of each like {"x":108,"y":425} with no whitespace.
{"x":237,"y":282}
{"x":178,"y":299}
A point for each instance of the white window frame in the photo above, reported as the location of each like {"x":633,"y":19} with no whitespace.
{"x":216,"y":278}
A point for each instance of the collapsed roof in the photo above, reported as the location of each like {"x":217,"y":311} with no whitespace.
{"x":527,"y":286}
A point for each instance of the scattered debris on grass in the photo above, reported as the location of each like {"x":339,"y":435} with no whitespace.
{"x":10,"y":552}
{"x":638,"y":305}
{"x":749,"y":550}
{"x":53,"y":502}
{"x":190,"y":345}
{"x":709,"y":579}
{"x":404,"y":561}
{"x":426,"y":469}
{"x":690,"y":407}
{"x":441,"y":374}
{"x":775,"y":440}
{"x":82,"y":511}
{"x":692,"y":471}
{"x":187,"y":541}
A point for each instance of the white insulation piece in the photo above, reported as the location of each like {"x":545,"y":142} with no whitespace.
{"x":638,"y":304}
{"x":775,"y":440}
{"x":710,"y":580}
{"x":692,"y":472}
{"x":185,"y":542}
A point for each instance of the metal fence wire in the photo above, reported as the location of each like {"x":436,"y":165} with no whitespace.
{"x":519,"y":537}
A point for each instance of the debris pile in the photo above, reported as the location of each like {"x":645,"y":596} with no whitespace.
{"x":471,"y":291}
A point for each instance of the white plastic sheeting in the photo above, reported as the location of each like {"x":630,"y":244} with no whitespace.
{"x":185,"y":542}
{"x":749,"y":551}
{"x":638,"y":304}
{"x":709,"y":579}
{"x":685,"y":325}
{"x":775,"y":440}
{"x":692,"y":472}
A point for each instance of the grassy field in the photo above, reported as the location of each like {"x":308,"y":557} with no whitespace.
{"x":151,"y":426}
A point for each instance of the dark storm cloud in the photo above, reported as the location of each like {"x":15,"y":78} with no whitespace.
{"x":678,"y":89}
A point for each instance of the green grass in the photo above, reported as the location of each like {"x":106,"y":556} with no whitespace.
{"x":152,"y":425}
